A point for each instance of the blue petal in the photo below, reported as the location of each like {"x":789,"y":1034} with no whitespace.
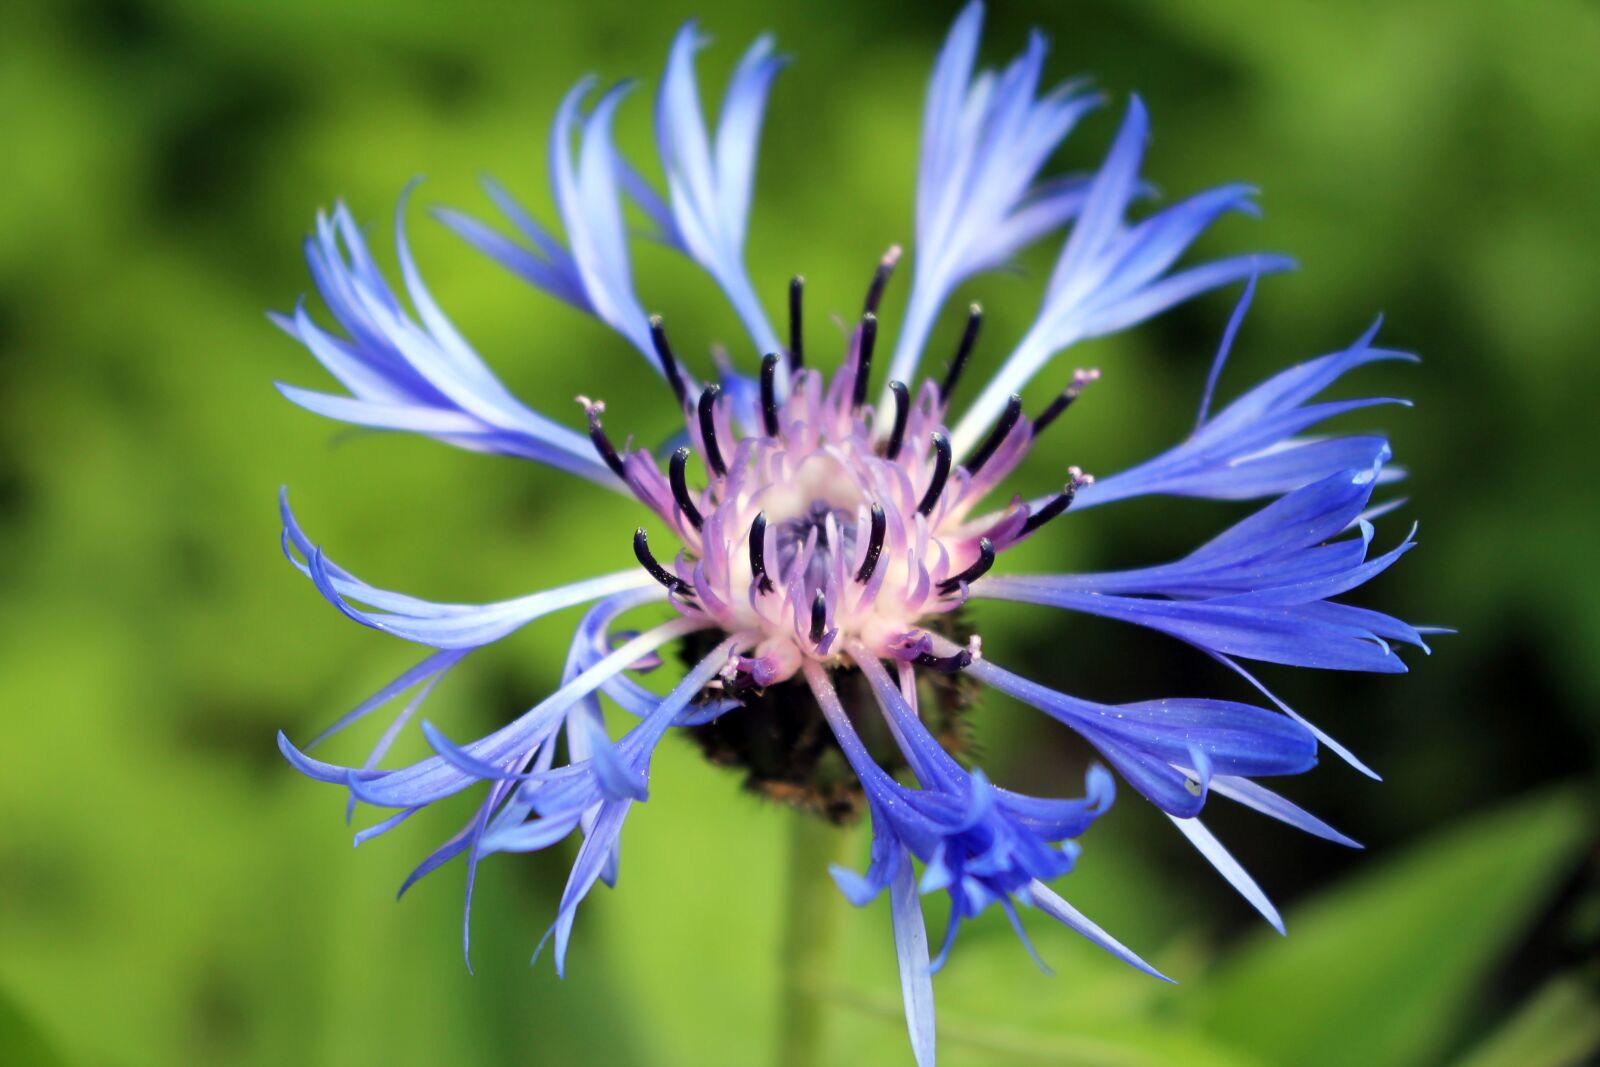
{"x":1250,"y":448}
{"x":709,"y":187}
{"x":1271,"y":804}
{"x":420,"y":377}
{"x":429,"y":669}
{"x":437,"y":777}
{"x":1256,"y":591}
{"x":1228,"y":867}
{"x":911,"y":948}
{"x":617,"y":779}
{"x":595,"y":274}
{"x":444,"y":626}
{"x":984,"y":142}
{"x":1050,"y":902}
{"x":1111,"y":276}
{"x":1148,"y":742}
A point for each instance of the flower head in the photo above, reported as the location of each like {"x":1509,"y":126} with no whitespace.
{"x":827,"y":542}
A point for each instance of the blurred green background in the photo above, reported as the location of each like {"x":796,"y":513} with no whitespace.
{"x":171,"y":893}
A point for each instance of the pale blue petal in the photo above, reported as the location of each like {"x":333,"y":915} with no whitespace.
{"x":911,"y":948}
{"x":1229,"y":868}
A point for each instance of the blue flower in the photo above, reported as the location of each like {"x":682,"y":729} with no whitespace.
{"x":829,"y":542}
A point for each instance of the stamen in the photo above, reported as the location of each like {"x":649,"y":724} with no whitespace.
{"x":869,"y":341}
{"x":1080,"y":379}
{"x":969,"y":338}
{"x":978,"y":569}
{"x":902,"y":411}
{"x":797,"y":288}
{"x":880,"y":279}
{"x":758,"y":553}
{"x":669,"y":362}
{"x":602,"y":443}
{"x":680,"y":488}
{"x":945,"y":664}
{"x":1057,"y":505}
{"x":997,"y":436}
{"x":708,"y":429}
{"x":769,"y":393}
{"x":880,"y":523}
{"x":941,"y":473}
{"x":819,"y":617}
{"x":641,"y":549}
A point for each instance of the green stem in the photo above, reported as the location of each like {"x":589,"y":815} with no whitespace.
{"x":812,"y":916}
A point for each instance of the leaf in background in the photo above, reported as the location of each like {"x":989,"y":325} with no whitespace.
{"x":1380,"y":969}
{"x":1559,"y":1026}
{"x":21,"y":1043}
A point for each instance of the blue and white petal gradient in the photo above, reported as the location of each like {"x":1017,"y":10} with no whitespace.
{"x":825,"y":543}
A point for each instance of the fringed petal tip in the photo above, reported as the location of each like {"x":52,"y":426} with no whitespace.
{"x":856,"y":888}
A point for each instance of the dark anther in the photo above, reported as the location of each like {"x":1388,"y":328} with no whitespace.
{"x":997,"y":436}
{"x":819,"y":617}
{"x":969,"y":338}
{"x":797,"y":288}
{"x":1051,"y":510}
{"x":941,"y":472}
{"x":902,"y":411}
{"x":880,"y":279}
{"x":869,"y":341}
{"x":979,"y":568}
{"x":880,"y":522}
{"x":758,"y":553}
{"x":641,"y":549}
{"x":680,"y":487}
{"x":945,"y":664}
{"x":708,"y":429}
{"x":602,"y":443}
{"x":1060,"y":404}
{"x":669,"y":362}
{"x":769,"y":393}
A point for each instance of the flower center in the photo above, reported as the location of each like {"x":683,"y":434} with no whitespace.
{"x":828,"y":528}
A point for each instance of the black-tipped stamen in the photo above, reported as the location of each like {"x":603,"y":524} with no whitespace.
{"x":819,"y":617}
{"x":941,"y":473}
{"x":902,"y":411}
{"x":979,"y":568}
{"x":669,"y":362}
{"x":1057,"y":407}
{"x":945,"y":664}
{"x":998,"y":435}
{"x":602,"y":443}
{"x":969,"y":338}
{"x":869,"y":341}
{"x":880,"y":280}
{"x":641,"y":549}
{"x":1060,"y":404}
{"x":758,"y":553}
{"x":708,"y":429}
{"x":797,"y":288}
{"x":680,"y":487}
{"x":1056,"y":506}
{"x":769,"y":393}
{"x":880,"y":523}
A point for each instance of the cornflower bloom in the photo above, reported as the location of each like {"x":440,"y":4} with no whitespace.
{"x":825,"y":545}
